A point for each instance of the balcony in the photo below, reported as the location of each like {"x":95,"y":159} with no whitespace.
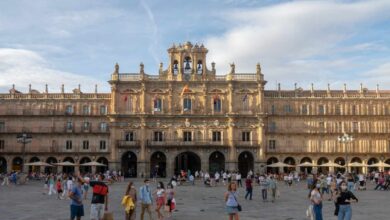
{"x":128,"y":144}
{"x":181,"y":143}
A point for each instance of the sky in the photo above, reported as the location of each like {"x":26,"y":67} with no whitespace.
{"x":78,"y":42}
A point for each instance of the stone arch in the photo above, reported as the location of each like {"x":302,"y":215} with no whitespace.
{"x":371,"y":161}
{"x":340,"y":161}
{"x":68,"y":169}
{"x":17,"y":164}
{"x":85,"y":169}
{"x":272,"y":160}
{"x":3,"y":165}
{"x":102,"y":169}
{"x":245,"y":163}
{"x":158,"y":164}
{"x":187,"y":161}
{"x":51,"y":160}
{"x":306,"y":169}
{"x":216,"y":162}
{"x":320,"y":161}
{"x":356,"y":169}
{"x":34,"y":168}
{"x":388,"y":162}
{"x":290,"y":161}
{"x":129,"y":164}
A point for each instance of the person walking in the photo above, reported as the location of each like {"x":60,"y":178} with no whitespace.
{"x":131,"y":192}
{"x":273,"y":187}
{"x":59,"y":189}
{"x":316,"y":200}
{"x":160,"y":200}
{"x":146,"y":199}
{"x":170,"y":205}
{"x":249,"y":188}
{"x":238,"y":179}
{"x":344,"y":200}
{"x":232,"y":205}
{"x":264,"y":187}
{"x":76,"y":205}
{"x":51,"y":185}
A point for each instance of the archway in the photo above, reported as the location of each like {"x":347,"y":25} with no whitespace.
{"x":371,"y":161}
{"x":3,"y":165}
{"x":158,"y":164}
{"x":356,"y":169}
{"x":321,"y":161}
{"x":85,"y":169}
{"x":102,"y":169}
{"x":388,"y":162}
{"x":129,"y":164}
{"x":245,"y":163}
{"x":51,"y":160}
{"x":35,"y":169}
{"x":270,"y":161}
{"x":17,"y":164}
{"x":216,"y":162}
{"x":339,"y":161}
{"x":68,"y":169}
{"x":187,"y":161}
{"x":306,"y":169}
{"x":289,"y":161}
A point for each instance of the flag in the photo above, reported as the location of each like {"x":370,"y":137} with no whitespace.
{"x":245,"y":97}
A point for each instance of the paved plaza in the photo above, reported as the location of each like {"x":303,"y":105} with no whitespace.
{"x":193,"y":202}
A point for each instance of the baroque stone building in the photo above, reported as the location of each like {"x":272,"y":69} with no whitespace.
{"x":188,"y":117}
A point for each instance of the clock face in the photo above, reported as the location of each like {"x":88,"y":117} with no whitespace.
{"x":187,"y":77}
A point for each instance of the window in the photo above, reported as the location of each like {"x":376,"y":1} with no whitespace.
{"x":187,"y":104}
{"x":272,"y":144}
{"x":288,"y":109}
{"x":157,"y":136}
{"x":69,"y":125}
{"x":68,"y":145}
{"x":129,"y":136}
{"x":216,"y":136}
{"x":273,"y":109}
{"x":355,"y":126}
{"x":103,"y":110}
{"x":157,"y":105}
{"x":86,"y":110}
{"x":272,"y":126}
{"x":86,"y":126}
{"x":217,"y":105}
{"x":246,"y":136}
{"x":103,"y":127}
{"x":304,"y":110}
{"x":187,"y":136}
{"x":2,"y":126}
{"x":69,"y":109}
{"x":337,"y":110}
{"x":321,"y":109}
{"x":85,"y":145}
{"x":102,"y":145}
{"x":2,"y":144}
{"x":354,"y":110}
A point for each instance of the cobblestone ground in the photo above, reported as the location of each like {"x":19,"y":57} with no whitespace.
{"x":193,"y":202}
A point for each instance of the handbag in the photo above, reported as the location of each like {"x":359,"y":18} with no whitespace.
{"x":239,"y":208}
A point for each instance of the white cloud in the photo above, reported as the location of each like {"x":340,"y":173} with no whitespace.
{"x":23,"y":67}
{"x":289,"y":38}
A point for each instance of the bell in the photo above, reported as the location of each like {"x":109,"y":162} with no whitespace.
{"x":187,"y":66}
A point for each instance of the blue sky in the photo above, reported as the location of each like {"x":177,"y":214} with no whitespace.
{"x":306,"y":42}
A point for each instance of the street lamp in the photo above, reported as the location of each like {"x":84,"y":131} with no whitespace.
{"x":345,"y":139}
{"x":24,"y":139}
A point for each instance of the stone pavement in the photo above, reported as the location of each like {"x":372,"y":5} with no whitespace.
{"x":193,"y":202}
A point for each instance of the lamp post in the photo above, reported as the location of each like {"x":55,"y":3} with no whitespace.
{"x":345,"y":139}
{"x":24,"y":138}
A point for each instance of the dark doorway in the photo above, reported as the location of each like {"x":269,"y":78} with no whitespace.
{"x":85,"y":169}
{"x":320,"y":161}
{"x":17,"y":164}
{"x":52,"y":161}
{"x":3,"y":165}
{"x":187,"y":161}
{"x":370,"y":162}
{"x":216,"y":162}
{"x":129,"y":164}
{"x":339,"y":161}
{"x":102,"y":169}
{"x":289,"y":161}
{"x":35,"y":169}
{"x":245,"y":163}
{"x":306,"y":169}
{"x":68,"y":169}
{"x":356,"y":169}
{"x":158,"y":164}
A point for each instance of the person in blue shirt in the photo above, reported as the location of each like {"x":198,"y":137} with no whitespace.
{"x":76,"y":205}
{"x":145,"y":196}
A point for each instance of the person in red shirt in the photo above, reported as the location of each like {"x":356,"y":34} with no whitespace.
{"x":59,"y":189}
{"x":249,"y":189}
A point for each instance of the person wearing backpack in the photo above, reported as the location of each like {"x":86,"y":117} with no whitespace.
{"x":99,"y":203}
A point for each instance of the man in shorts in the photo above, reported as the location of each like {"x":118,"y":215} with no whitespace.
{"x":76,"y":205}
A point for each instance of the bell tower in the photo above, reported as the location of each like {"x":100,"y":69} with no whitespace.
{"x":187,"y":62}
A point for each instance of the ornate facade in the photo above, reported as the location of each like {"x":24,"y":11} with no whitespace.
{"x":188,"y":117}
